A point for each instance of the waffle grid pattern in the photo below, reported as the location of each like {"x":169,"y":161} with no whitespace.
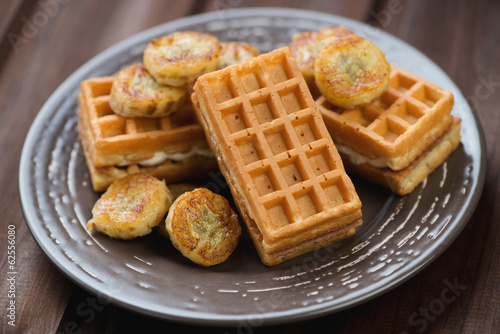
{"x":116,"y":134}
{"x":397,"y":118}
{"x":284,"y":153}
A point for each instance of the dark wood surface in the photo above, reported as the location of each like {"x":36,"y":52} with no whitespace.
{"x":462,"y":37}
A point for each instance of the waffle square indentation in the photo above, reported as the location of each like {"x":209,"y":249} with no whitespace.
{"x":249,"y":149}
{"x":265,"y":109}
{"x":427,"y":95}
{"x":251,"y":81}
{"x":292,"y":170}
{"x":409,"y":112}
{"x":278,"y":213}
{"x":100,"y":88}
{"x":279,"y":70}
{"x":321,"y":160}
{"x":402,"y":82}
{"x":305,"y":129}
{"x":278,"y":140}
{"x":292,"y":99}
{"x":223,"y":89}
{"x":390,"y":129}
{"x":387,"y":100}
{"x":264,"y":180}
{"x":364,"y":116}
{"x":147,"y":124}
{"x":307,"y":203}
{"x":112,"y":126}
{"x":234,"y":117}
{"x":102,"y":108}
{"x":335,"y":191}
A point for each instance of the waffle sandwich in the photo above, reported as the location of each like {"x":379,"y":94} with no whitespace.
{"x":274,"y":150}
{"x":401,"y":137}
{"x":172,"y":147}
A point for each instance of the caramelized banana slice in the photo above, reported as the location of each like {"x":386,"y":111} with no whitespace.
{"x":306,"y":45}
{"x":179,"y":58}
{"x":176,"y":189}
{"x":352,"y":72}
{"x":203,"y":227}
{"x":236,"y":52}
{"x":131,"y":207}
{"x":135,"y":93}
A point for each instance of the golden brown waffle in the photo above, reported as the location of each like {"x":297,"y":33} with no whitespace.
{"x":404,"y":181}
{"x":109,"y":139}
{"x":399,"y":125}
{"x":276,"y":154}
{"x":409,"y":128}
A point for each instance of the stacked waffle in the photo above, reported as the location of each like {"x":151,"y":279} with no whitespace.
{"x":141,"y":119}
{"x":401,"y":137}
{"x":390,"y":126}
{"x":171,"y":147}
{"x":275,"y":152}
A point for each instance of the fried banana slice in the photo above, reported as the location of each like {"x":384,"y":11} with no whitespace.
{"x":179,"y":58}
{"x":131,"y":207}
{"x":306,"y":45}
{"x":235,"y":52}
{"x":176,"y":189}
{"x":135,"y":93}
{"x":352,"y":72}
{"x":203,"y":227}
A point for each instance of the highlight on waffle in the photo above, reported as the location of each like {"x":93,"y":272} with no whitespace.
{"x":390,"y":126}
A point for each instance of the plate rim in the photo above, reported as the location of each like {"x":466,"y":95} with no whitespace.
{"x":277,"y":317}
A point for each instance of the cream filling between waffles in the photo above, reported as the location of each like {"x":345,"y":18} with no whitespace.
{"x":359,"y":159}
{"x":161,"y":156}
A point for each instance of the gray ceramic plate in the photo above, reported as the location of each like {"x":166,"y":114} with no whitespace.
{"x":399,"y":237}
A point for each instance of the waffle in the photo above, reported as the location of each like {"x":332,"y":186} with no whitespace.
{"x":116,"y":146}
{"x":404,"y":181}
{"x":384,"y":140}
{"x":274,"y":150}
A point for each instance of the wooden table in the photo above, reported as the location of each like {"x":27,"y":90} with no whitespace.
{"x":43,"y":42}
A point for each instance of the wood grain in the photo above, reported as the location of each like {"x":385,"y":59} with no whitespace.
{"x":460,"y":36}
